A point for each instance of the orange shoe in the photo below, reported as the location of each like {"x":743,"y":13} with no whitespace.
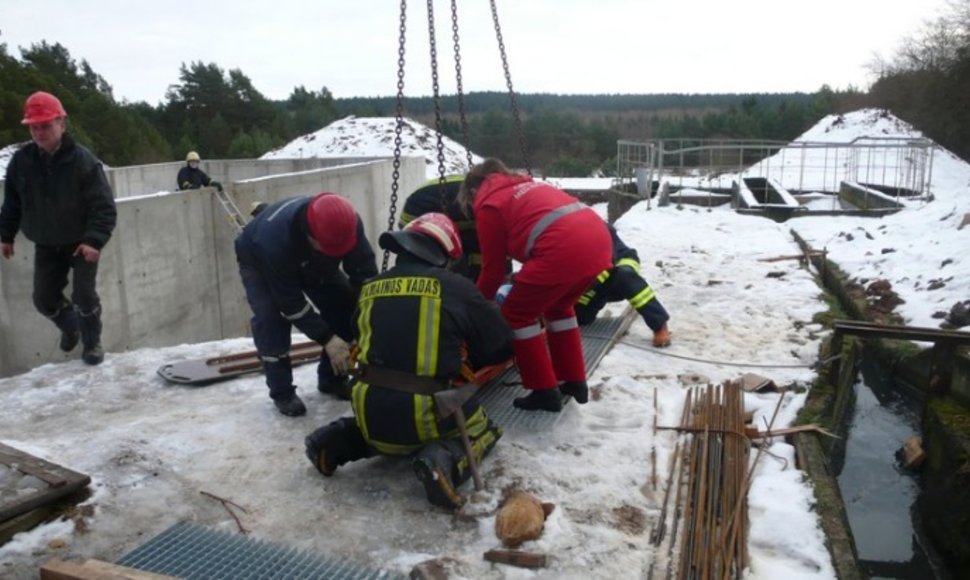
{"x":661,"y":337}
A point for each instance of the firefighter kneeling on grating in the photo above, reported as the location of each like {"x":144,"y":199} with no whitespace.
{"x":414,"y":322}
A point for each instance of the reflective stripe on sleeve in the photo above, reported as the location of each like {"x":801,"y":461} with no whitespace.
{"x":642,"y":297}
{"x":298,"y":315}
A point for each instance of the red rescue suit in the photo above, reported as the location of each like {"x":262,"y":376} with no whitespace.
{"x":562,"y":245}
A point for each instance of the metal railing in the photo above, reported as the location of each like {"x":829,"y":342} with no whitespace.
{"x":903,"y":166}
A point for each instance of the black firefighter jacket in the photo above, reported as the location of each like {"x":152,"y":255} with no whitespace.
{"x":56,"y":200}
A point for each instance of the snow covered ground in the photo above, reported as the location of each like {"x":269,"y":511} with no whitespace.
{"x":152,"y":447}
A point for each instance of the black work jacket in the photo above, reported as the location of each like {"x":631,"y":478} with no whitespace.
{"x":415,"y":317}
{"x":59,"y":199}
{"x":434,"y":196}
{"x":192,"y":178}
{"x":276,"y":245}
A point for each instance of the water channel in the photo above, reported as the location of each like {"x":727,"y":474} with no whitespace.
{"x":879,"y":494}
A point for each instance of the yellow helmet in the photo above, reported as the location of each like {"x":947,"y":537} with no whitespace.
{"x":193,"y":156}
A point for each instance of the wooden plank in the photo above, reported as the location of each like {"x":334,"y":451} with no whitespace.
{"x":57,"y":569}
{"x":61,"y":481}
{"x":516,"y":558}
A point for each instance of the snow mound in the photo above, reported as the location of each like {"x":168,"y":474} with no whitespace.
{"x":374,"y":137}
{"x":861,"y":124}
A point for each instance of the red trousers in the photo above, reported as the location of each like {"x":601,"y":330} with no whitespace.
{"x":547,"y":355}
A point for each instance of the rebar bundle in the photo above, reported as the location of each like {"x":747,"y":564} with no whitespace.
{"x":712,"y":490}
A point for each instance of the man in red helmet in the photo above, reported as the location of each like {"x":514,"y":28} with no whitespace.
{"x":290,"y":258}
{"x":56,"y":192}
{"x":413,"y":324}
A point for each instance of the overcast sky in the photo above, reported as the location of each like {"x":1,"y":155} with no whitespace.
{"x":553,"y":46}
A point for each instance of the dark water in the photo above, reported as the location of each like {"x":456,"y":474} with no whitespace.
{"x":879,"y":495}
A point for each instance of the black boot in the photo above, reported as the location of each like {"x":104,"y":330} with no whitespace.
{"x":66,"y":321}
{"x":279,"y":379}
{"x":578,"y":390}
{"x":331,"y":446}
{"x":545,"y":400}
{"x":433,"y":466}
{"x":90,"y":325}
{"x":291,"y":406}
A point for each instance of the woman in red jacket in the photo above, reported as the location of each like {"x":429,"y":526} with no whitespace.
{"x":562,"y":246}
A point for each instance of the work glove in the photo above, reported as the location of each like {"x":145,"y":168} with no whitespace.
{"x":216,"y":185}
{"x":502,"y":293}
{"x":338,"y":351}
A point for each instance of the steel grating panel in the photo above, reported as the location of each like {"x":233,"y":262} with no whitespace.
{"x":193,"y":552}
{"x":498,"y":394}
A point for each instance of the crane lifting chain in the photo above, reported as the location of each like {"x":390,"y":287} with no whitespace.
{"x":517,"y":117}
{"x":396,"y":175}
{"x":508,"y":82}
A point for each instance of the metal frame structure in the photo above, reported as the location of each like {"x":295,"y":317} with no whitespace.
{"x":900,"y":164}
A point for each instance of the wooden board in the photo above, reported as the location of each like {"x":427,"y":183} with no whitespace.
{"x":30,"y":482}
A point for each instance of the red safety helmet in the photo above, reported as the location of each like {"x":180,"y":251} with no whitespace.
{"x":333,"y":224}
{"x":431,"y":237}
{"x":42,"y":107}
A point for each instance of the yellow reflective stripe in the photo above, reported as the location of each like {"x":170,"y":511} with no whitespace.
{"x":424,"y":420}
{"x":365,"y":329}
{"x":429,"y":318}
{"x":358,"y":395}
{"x":586,"y":298}
{"x":602,"y":276}
{"x":629,"y":263}
{"x":642,"y":297}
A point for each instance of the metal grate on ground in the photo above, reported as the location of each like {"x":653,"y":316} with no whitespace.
{"x":196,"y":553}
{"x":497,"y":395}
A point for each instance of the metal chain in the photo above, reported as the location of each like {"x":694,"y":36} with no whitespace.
{"x":508,"y":82}
{"x":397,"y":126}
{"x":461,"y":94}
{"x":436,"y":97}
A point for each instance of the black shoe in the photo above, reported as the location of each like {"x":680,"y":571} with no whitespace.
{"x":578,"y":390}
{"x":545,"y":400}
{"x":437,"y":484}
{"x":318,"y":456}
{"x":339,"y":387}
{"x":93,"y":355}
{"x":291,"y":406}
{"x":69,"y":340}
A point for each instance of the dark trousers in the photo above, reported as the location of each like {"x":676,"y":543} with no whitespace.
{"x":333,"y":298}
{"x":51,"y":267}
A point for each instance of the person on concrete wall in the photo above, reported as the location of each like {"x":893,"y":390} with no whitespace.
{"x":290,"y":259}
{"x":417,"y":325}
{"x":57,"y":193}
{"x":435,"y":196}
{"x":624,"y":282}
{"x":562,"y":245}
{"x":191,"y":177}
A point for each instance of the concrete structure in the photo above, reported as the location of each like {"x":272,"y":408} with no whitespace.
{"x":169,"y":274}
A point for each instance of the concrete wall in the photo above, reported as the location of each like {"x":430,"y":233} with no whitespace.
{"x":169,"y":274}
{"x":145,"y":179}
{"x":864,"y":197}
